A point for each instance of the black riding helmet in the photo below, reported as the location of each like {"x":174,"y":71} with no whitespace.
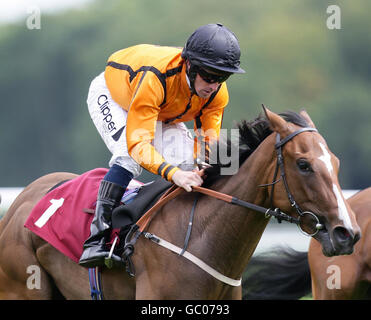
{"x":215,"y":47}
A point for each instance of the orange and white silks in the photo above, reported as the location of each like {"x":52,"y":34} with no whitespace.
{"x":150,"y":83}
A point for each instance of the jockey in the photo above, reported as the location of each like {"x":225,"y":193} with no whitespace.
{"x":139,"y":105}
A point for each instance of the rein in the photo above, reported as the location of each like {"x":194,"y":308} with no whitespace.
{"x":174,"y":191}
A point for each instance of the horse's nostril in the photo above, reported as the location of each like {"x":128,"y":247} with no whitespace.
{"x":343,"y":235}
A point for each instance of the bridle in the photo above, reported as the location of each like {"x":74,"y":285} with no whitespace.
{"x":280,"y":166}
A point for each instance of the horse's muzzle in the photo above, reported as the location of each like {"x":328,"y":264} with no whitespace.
{"x":344,"y":240}
{"x":338,"y":241}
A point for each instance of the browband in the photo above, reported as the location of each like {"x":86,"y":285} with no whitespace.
{"x":280,"y":143}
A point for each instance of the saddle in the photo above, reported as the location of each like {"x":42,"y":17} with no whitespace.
{"x":63,"y":215}
{"x":134,"y":204}
{"x":133,"y":208}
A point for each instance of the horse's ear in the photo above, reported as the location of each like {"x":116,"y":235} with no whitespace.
{"x":306,"y":116}
{"x":277,"y":123}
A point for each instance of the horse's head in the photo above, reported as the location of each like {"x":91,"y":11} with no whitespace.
{"x":310,"y":185}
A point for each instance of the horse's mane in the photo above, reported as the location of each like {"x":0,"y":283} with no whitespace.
{"x":251,"y":135}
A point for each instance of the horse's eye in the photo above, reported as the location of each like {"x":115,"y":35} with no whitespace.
{"x":304,"y":165}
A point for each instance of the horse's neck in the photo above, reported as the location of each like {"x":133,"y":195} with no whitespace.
{"x":235,"y":231}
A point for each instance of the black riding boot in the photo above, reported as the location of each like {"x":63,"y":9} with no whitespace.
{"x":95,"y":251}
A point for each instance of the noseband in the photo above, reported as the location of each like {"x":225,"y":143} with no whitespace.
{"x":280,"y":166}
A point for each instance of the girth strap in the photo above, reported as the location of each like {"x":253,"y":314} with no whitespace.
{"x":95,"y":283}
{"x":194,"y":259}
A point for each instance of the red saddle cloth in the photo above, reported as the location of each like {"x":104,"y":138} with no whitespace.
{"x":60,"y":217}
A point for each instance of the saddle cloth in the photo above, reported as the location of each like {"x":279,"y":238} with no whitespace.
{"x":61,"y":218}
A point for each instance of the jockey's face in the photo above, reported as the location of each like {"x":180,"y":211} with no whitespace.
{"x":203,"y":88}
{"x":205,"y":83}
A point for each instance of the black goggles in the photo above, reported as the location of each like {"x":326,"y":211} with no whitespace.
{"x":211,"y":77}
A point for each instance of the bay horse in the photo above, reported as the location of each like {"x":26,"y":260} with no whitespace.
{"x":291,"y":274}
{"x":223,"y":236}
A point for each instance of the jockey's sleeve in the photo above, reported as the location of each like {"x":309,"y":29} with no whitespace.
{"x":141,"y":126}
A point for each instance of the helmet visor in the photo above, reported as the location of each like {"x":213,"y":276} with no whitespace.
{"x":211,"y":76}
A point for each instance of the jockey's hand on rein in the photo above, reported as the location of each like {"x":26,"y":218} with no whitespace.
{"x":187,"y":179}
